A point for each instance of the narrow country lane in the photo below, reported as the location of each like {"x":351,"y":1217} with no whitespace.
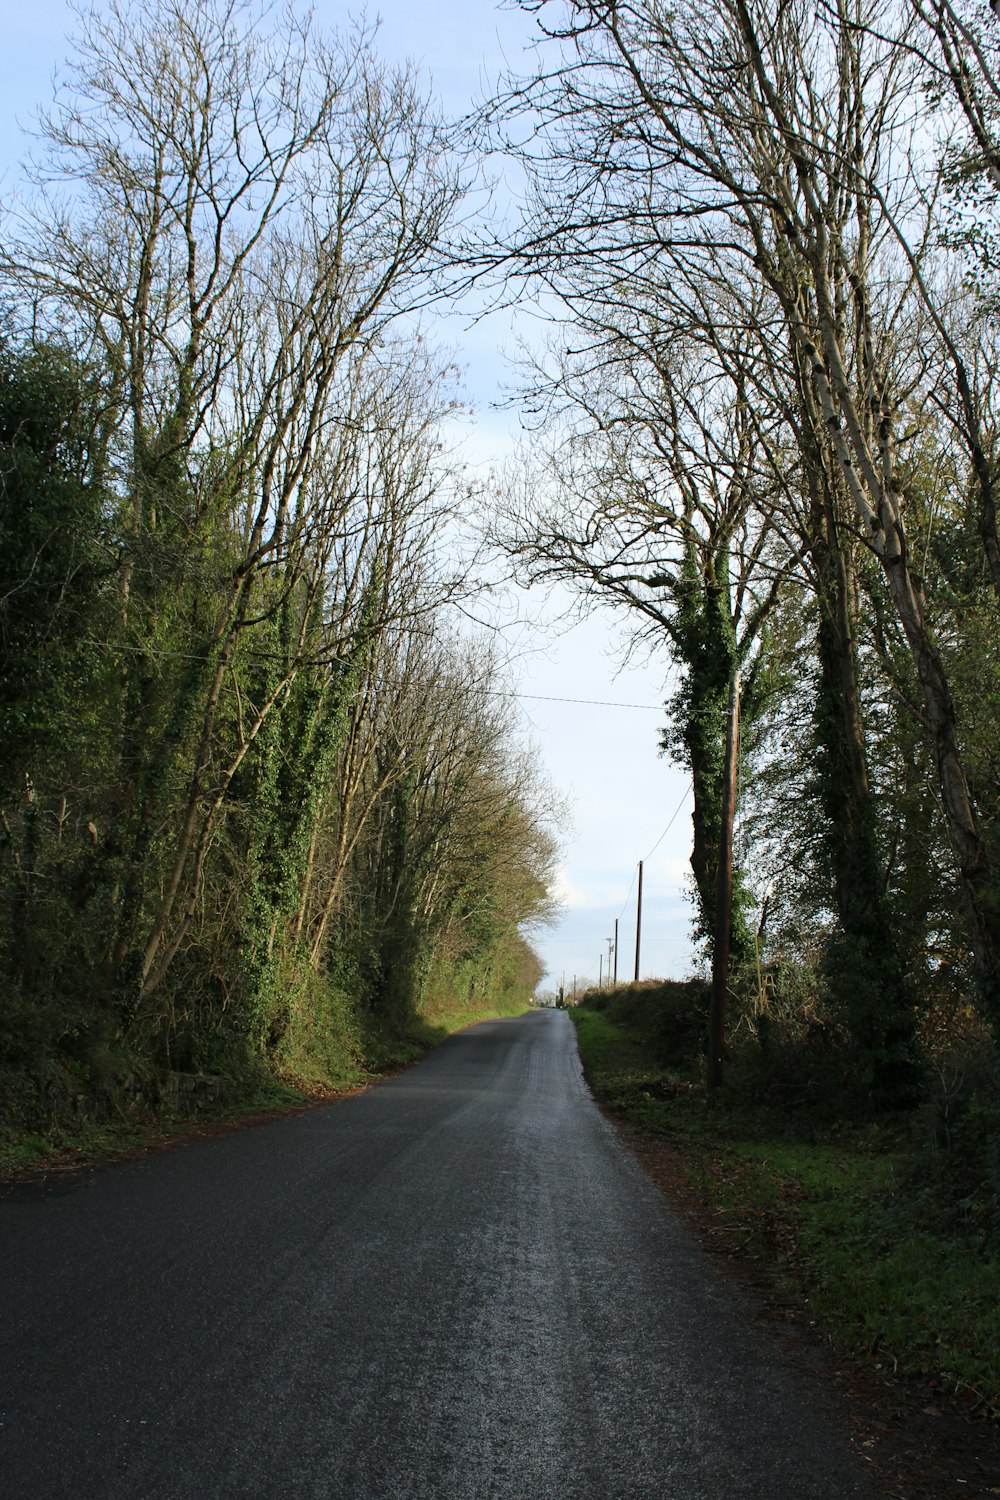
{"x":456,"y":1285}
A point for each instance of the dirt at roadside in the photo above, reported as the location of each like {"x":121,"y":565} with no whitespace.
{"x":921,"y":1443}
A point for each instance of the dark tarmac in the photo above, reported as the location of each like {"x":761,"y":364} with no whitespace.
{"x":457,"y":1285}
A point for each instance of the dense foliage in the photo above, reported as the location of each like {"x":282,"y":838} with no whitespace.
{"x":260,"y":809}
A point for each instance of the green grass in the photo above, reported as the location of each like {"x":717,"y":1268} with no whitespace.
{"x":829,"y":1210}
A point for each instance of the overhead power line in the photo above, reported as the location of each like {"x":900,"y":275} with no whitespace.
{"x":653,"y":708}
{"x":673,"y":820}
{"x":253,"y":654}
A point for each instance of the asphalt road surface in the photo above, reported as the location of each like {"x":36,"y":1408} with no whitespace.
{"x":456,"y":1285}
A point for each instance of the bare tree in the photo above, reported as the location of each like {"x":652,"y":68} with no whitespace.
{"x":780,"y":140}
{"x":656,"y":496}
{"x":459,"y":848}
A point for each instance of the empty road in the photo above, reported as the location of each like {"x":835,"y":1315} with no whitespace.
{"x":456,"y":1285}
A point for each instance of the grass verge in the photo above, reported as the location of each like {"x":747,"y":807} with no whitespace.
{"x":832,"y":1211}
{"x":69,"y":1141}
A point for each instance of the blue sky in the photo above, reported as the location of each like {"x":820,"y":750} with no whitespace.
{"x":602,"y":758}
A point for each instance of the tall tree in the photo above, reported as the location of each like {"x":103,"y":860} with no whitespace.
{"x":780,"y":141}
{"x":249,"y":208}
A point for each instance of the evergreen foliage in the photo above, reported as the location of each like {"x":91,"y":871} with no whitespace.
{"x":253,"y":823}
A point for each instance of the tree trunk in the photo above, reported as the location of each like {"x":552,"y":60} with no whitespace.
{"x":864,"y":962}
{"x":976,"y":876}
{"x":724,"y":891}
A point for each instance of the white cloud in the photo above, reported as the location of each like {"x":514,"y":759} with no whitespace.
{"x":569,"y":896}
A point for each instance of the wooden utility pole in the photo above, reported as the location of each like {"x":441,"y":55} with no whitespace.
{"x":638,"y":924}
{"x":600,"y":971}
{"x":724,"y":891}
{"x":614,"y":981}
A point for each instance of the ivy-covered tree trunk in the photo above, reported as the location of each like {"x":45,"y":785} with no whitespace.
{"x":704,"y":641}
{"x":397,"y":879}
{"x":287,"y":785}
{"x":864,"y":960}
